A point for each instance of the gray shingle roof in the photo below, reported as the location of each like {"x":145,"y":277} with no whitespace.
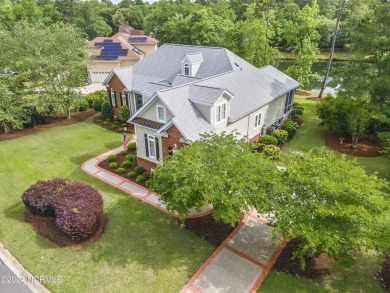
{"x":195,"y":57}
{"x":204,"y":94}
{"x":160,"y":72}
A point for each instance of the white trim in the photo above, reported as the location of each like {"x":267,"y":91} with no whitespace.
{"x":164,"y":113}
{"x":256,"y":120}
{"x":113,"y":98}
{"x":152,"y":138}
{"x":220,"y":106}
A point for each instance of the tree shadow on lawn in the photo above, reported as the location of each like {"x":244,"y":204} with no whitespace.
{"x":141,"y":234}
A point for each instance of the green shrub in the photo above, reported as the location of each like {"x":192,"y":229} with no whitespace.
{"x":148,"y":184}
{"x":111,"y":158}
{"x":297,"y":106}
{"x":113,"y":165}
{"x":130,"y":157}
{"x":97,"y":105}
{"x":114,"y":126}
{"x":291,"y":127}
{"x":121,"y":170}
{"x":107,"y":120}
{"x":96,"y":96}
{"x":121,"y":129}
{"x":126,"y":163}
{"x":105,"y":123}
{"x":117,"y":119}
{"x":131,"y":174}
{"x":124,"y":125}
{"x":132,"y":146}
{"x":271,"y":151}
{"x":125,"y":113}
{"x":140,"y":178}
{"x":268,"y":140}
{"x":139,"y":170}
{"x":107,"y":111}
{"x":80,"y":104}
{"x":123,"y":153}
{"x":280,"y":134}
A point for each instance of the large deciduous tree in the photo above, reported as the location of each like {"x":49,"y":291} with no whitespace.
{"x":301,"y":34}
{"x":332,"y":205}
{"x":51,"y":60}
{"x":218,"y":170}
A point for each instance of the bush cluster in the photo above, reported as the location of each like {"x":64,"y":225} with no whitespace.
{"x":132,"y":146}
{"x":272,"y":151}
{"x":268,"y":140}
{"x":280,"y":134}
{"x":291,"y":127}
{"x":77,"y":207}
{"x":107,"y":112}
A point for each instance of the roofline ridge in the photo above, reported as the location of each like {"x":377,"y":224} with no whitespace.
{"x":185,"y":45}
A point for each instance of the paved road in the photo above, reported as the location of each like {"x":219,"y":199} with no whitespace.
{"x":8,"y":281}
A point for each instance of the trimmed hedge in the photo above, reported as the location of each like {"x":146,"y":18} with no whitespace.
{"x":111,"y":158}
{"x":140,"y":178}
{"x":139,"y":170}
{"x":123,"y":153}
{"x":291,"y":127}
{"x":268,"y":140}
{"x":121,"y":170}
{"x":130,"y":157}
{"x":280,"y":134}
{"x":131,"y":174}
{"x":77,"y":207}
{"x":113,"y":165}
{"x":132,"y":146}
{"x":38,"y":198}
{"x":126,"y":164}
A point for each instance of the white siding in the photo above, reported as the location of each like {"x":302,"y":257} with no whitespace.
{"x":140,"y":139}
{"x":151,"y":112}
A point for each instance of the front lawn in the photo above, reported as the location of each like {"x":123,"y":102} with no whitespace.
{"x":140,"y":250}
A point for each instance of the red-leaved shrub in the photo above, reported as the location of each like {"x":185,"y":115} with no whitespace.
{"x":38,"y":198}
{"x":77,"y":207}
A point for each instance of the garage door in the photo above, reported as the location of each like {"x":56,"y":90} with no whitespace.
{"x":99,"y":76}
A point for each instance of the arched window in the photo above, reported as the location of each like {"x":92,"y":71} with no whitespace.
{"x":186,"y":69}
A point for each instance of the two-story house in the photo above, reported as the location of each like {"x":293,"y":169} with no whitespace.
{"x":179,"y":92}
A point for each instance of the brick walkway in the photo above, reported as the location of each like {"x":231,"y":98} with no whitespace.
{"x":91,"y":167}
{"x":239,"y":264}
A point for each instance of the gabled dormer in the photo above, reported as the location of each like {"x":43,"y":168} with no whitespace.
{"x":191,"y":63}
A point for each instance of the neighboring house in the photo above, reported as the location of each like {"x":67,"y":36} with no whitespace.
{"x":179,"y":92}
{"x":123,"y":49}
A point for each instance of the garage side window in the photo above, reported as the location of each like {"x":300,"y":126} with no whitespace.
{"x":113,"y":99}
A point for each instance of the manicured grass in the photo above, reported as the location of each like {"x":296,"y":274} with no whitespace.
{"x":311,"y":135}
{"x":361,"y":275}
{"x":140,"y":251}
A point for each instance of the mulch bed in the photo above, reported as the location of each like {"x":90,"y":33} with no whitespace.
{"x":58,"y":121}
{"x":302,"y":93}
{"x":99,"y":121}
{"x":119,"y":160}
{"x":316,"y":267}
{"x":45,"y":227}
{"x":208,"y":229}
{"x":366,"y":147}
{"x":384,"y":275}
{"x":317,"y":99}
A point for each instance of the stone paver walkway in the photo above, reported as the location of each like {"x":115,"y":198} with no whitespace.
{"x":91,"y":167}
{"x":241,"y":262}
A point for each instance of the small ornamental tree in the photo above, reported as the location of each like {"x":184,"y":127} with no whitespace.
{"x":107,"y":112}
{"x":331,"y":205}
{"x":125,"y":113}
{"x":219,"y":170}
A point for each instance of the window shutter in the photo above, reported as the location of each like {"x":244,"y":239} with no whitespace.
{"x":121,"y":98}
{"x":146,"y":145}
{"x":157,"y":149}
{"x":111,"y":98}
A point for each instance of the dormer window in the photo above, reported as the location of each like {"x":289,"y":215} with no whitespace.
{"x":187,"y":69}
{"x":160,"y":113}
{"x":220,"y":113}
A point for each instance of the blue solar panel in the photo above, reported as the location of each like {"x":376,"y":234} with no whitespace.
{"x":111,"y":50}
{"x":138,"y":39}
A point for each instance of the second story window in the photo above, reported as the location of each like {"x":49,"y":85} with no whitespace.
{"x":186,"y":69}
{"x":220,"y":113}
{"x":160,"y":113}
{"x":139,"y":101}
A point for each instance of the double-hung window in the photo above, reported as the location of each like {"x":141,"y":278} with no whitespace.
{"x":257,"y":120}
{"x":220,"y":112}
{"x":186,"y":69}
{"x":160,"y":113}
{"x":113,"y":99}
{"x":124,"y":99}
{"x":152,"y":146}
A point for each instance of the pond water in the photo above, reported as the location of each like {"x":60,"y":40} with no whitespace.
{"x":335,"y":75}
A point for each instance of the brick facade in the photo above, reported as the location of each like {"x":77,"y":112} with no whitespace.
{"x":116,"y":85}
{"x":173,"y":138}
{"x":145,"y":164}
